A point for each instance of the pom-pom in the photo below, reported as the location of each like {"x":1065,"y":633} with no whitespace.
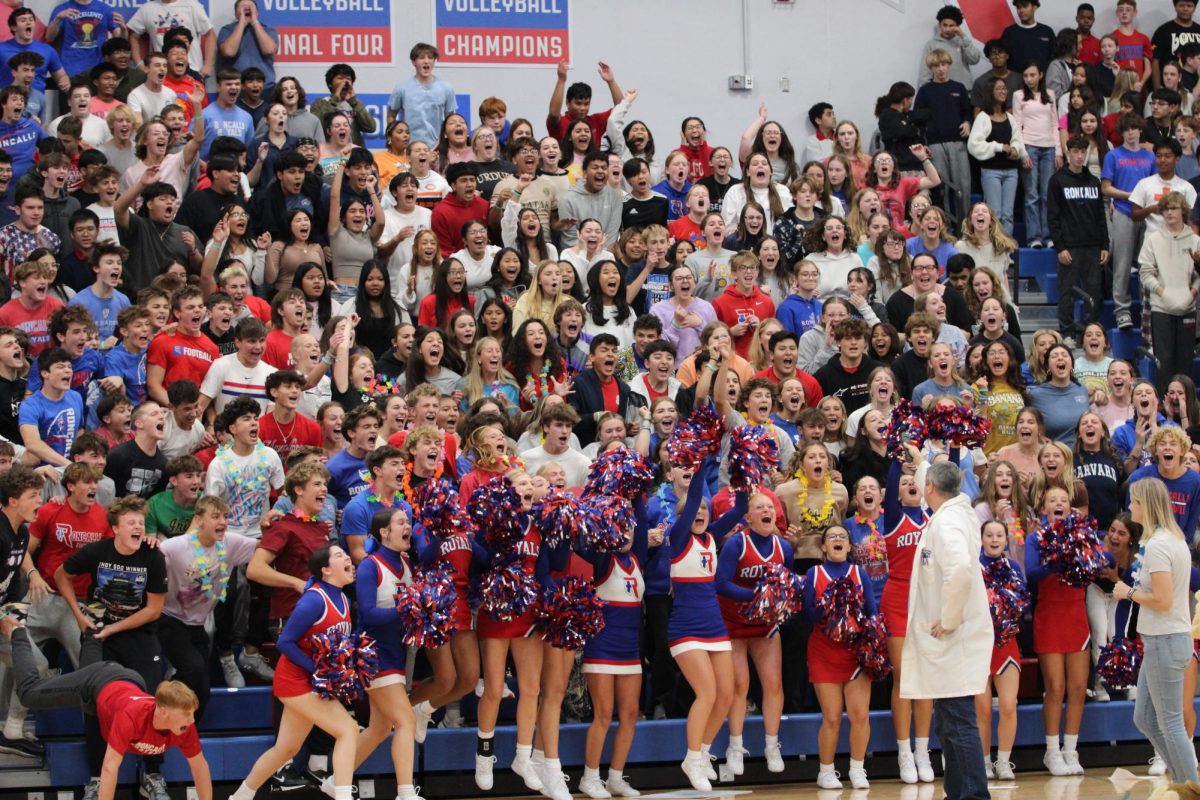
{"x":439,"y":509}
{"x":907,"y":426}
{"x":560,"y":517}
{"x":610,"y":518}
{"x":842,"y":608}
{"x":777,"y":596}
{"x":1120,"y":662}
{"x":696,"y":437}
{"x":620,"y":471}
{"x":871,"y":649}
{"x":426,"y":608}
{"x":957,"y":426}
{"x":1071,"y":547}
{"x":495,"y":508}
{"x":753,"y":456}
{"x":344,"y":665}
{"x":1008,"y":597}
{"x":570,"y":614}
{"x":508,"y":590}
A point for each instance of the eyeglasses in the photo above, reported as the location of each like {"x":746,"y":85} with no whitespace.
{"x":238,"y":215}
{"x":836,"y":537}
{"x":527,"y":151}
{"x":457,"y":273}
{"x":917,"y":267}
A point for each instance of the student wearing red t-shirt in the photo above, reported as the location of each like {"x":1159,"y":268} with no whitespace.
{"x":1134,"y":50}
{"x":31,"y":309}
{"x":284,"y":429}
{"x":186,"y":354}
{"x":743,"y":305}
{"x":287,"y":322}
{"x":894,"y":191}
{"x":690,"y":225}
{"x":116,"y":706}
{"x":449,"y":294}
{"x":579,"y":103}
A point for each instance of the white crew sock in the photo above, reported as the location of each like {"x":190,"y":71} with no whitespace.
{"x":695,"y":756}
{"x":735,"y":741}
{"x":922,"y":745}
{"x":1070,"y":742}
{"x":588,"y":772}
{"x":318,"y":763}
{"x":243,"y":792}
{"x":343,"y":792}
{"x":904,"y":746}
{"x":856,"y":764}
{"x":770,"y":741}
{"x":826,"y":769}
{"x":1051,"y":744}
{"x":524,"y":751}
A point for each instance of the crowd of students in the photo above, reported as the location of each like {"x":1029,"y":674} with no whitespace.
{"x":239,"y":343}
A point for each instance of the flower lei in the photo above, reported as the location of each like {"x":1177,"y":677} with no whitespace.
{"x":807,"y":517}
{"x":876,"y":547}
{"x":406,"y":487}
{"x":769,"y":424}
{"x":204,"y":562}
{"x":541,"y":381}
{"x":1016,"y":530}
{"x":374,"y":497}
{"x":260,"y":472}
{"x":306,"y":518}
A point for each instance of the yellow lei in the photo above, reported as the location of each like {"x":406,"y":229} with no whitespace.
{"x":807,"y":517}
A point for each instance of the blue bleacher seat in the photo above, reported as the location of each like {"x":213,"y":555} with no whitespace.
{"x":1124,"y":343}
{"x":1048,"y":283}
{"x":1034,"y":263}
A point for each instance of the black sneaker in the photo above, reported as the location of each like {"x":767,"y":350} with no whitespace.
{"x":288,"y":779}
{"x":21,"y":747}
{"x":317,"y":777}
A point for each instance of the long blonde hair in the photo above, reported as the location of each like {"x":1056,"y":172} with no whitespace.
{"x":473,"y":389}
{"x":1157,"y":515}
{"x":759,"y":358}
{"x":1000,"y":241}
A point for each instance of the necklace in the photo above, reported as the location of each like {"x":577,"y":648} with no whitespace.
{"x":541,"y":381}
{"x":305,"y":517}
{"x":807,"y":517}
{"x":374,"y":497}
{"x":1015,"y":529}
{"x":406,"y":487}
{"x":875,"y":546}
{"x":203,"y":561}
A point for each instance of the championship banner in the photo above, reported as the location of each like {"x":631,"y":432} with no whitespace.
{"x":503,"y":33}
{"x":353,"y":31}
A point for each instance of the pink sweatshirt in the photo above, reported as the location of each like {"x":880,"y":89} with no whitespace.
{"x":1037,"y":121}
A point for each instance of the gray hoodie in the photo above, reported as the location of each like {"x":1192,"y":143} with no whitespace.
{"x":604,"y":206}
{"x":963,"y":51}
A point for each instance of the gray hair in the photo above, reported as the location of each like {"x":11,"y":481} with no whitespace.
{"x":945,"y":477}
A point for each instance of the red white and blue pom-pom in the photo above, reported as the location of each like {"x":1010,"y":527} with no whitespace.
{"x":957,"y":426}
{"x":1071,"y":546}
{"x":508,"y":590}
{"x":610,"y":519}
{"x":440,"y":509}
{"x":871,"y":649}
{"x":620,"y":471}
{"x":570,"y":614}
{"x":778,"y":596}
{"x":344,"y":665}
{"x":1120,"y":662}
{"x":753,"y":456}
{"x":426,"y":608}
{"x":842,"y":607}
{"x":1008,"y":597}
{"x":495,"y":508}
{"x":696,"y":437}
{"x":560,"y":517}
{"x":907,"y":426}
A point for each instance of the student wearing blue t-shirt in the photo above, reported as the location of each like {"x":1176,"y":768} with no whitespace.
{"x":101,"y":299}
{"x":19,"y":134}
{"x":69,"y":331}
{"x":21,"y":22}
{"x":52,"y":417}
{"x":225,"y":117}
{"x":386,"y":467}
{"x":1123,"y":167}
{"x":1168,"y":444}
{"x":348,"y":469}
{"x":423,"y":101}
{"x":84,"y":26}
{"x":249,"y":43}
{"x":127,"y":360}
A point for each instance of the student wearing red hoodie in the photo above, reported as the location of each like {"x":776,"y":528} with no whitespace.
{"x":743,"y":305}
{"x":455,"y":210}
{"x":693,"y":143}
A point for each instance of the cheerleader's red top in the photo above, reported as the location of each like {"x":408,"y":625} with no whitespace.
{"x":322,"y":608}
{"x":743,"y":562}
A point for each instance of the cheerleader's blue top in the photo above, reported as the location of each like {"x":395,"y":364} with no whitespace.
{"x":731,"y":555}
{"x":835,"y":570}
{"x":309,"y":609}
{"x":376,"y":580}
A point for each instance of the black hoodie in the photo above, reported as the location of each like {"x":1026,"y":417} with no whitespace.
{"x":1075,"y":210}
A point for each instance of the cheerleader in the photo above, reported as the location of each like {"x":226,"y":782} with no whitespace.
{"x":611,"y":661}
{"x":696,"y":634}
{"x":1006,"y":669}
{"x":321,"y":609}
{"x":380,"y":575}
{"x":1062,"y":641}
{"x":904,"y":518}
{"x":557,"y":663}
{"x":833,"y":668}
{"x":868,"y":548}
{"x":744,"y":557}
{"x":496,"y":639}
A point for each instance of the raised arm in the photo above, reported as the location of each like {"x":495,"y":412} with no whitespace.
{"x":681,"y":529}
{"x":730,"y":519}
{"x":751,"y":131}
{"x":335,"y":201}
{"x":556,"y":98}
{"x":192,"y":148}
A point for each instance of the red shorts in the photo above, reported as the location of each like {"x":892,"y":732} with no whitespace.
{"x":1061,"y":627}
{"x":1005,"y":656}
{"x":290,"y":680}
{"x":739,"y":629}
{"x":488,"y":627}
{"x":894,"y":607}
{"x":829,"y":662}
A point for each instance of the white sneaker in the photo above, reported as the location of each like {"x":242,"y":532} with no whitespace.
{"x":858,"y":779}
{"x":423,"y":712}
{"x":507,"y":694}
{"x":734,"y":759}
{"x":254,"y":664}
{"x":1100,"y":694}
{"x":523,"y":767}
{"x":908,"y":767}
{"x":412,"y":793}
{"x":774,"y":754}
{"x":233,"y":675}
{"x":483,"y":772}
{"x":1004,"y":771}
{"x":828,"y":780}
{"x":554,"y":785}
{"x":453,"y":717}
{"x":327,"y":787}
{"x":1055,"y":764}
{"x":988,"y":770}
{"x":593,"y":787}
{"x":709,"y":770}
{"x":697,"y":775}
{"x":924,"y":768}
{"x":1071,"y":759}
{"x":1158,"y":766}
{"x":619,"y":787}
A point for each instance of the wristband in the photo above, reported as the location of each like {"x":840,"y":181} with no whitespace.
{"x":327,"y":360}
{"x":1129,"y":594}
{"x":30,"y":573}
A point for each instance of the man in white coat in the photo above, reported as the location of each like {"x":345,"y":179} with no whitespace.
{"x":948,"y":651}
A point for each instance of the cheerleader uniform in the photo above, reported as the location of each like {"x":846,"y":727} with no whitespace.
{"x":534,"y":561}
{"x":376,"y":581}
{"x":740,"y":566}
{"x":321,"y":608}
{"x":903,"y":526}
{"x":828,"y":661}
{"x":696,"y":622}
{"x":1008,"y":654}
{"x":461,"y":552}
{"x":1060,"y":623}
{"x":620,"y":584}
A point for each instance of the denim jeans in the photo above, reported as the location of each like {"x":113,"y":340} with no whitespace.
{"x":1158,"y":712}
{"x":957,"y":729}
{"x":1000,"y":192}
{"x":1037,"y":189}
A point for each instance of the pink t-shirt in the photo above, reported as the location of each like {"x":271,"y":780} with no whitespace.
{"x":173,"y":170}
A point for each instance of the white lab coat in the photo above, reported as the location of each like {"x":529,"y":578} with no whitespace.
{"x":947,"y":587}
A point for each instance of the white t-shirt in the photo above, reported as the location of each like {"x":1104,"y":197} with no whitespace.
{"x":95,"y":132}
{"x":1150,"y":190}
{"x":244,"y":483}
{"x":228,"y":378}
{"x":155,"y":18}
{"x":478,"y":272}
{"x":108,"y":223}
{"x":575,"y":463}
{"x":148,"y":103}
{"x":393,"y":222}
{"x":312,"y":399}
{"x":179,"y":442}
{"x":1166,"y":552}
